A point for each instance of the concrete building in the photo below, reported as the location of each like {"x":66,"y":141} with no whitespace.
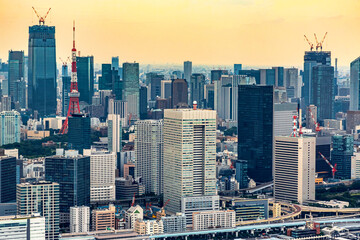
{"x":10,"y":122}
{"x":311,"y":117}
{"x":174,"y":223}
{"x":102,"y":175}
{"x":189,"y":155}
{"x":294,"y":168}
{"x":79,"y":219}
{"x":149,"y":154}
{"x":283,"y":118}
{"x":213,"y":219}
{"x":8,"y":209}
{"x":148,"y":227}
{"x":127,"y":187}
{"x":355,"y":85}
{"x":187,"y":71}
{"x":22,"y":227}
{"x":132,"y":214}
{"x":276,"y":210}
{"x":189,"y":205}
{"x":250,"y":209}
{"x":353,"y":122}
{"x":103,"y":219}
{"x":114,"y":122}
{"x":119,"y":107}
{"x":40,"y":197}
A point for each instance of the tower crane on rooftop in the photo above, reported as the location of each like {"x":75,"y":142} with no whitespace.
{"x":319,"y":45}
{"x":41,"y":19}
{"x":310,"y":44}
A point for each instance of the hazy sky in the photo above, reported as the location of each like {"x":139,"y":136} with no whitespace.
{"x":218,"y":32}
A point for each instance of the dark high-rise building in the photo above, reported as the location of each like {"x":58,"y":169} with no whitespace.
{"x":341,"y":105}
{"x":143,"y":103}
{"x":197,"y":89}
{"x":105,"y":81}
{"x":117,"y":84}
{"x":216,"y":74}
{"x":66,"y":83}
{"x":72,"y":172}
{"x":343,"y":149}
{"x":16,"y":80}
{"x":7,"y":179}
{"x":237,"y":68}
{"x":210,"y":96}
{"x":311,"y":59}
{"x":279,"y":76}
{"x":322,"y":90}
{"x":187,"y":71}
{"x":355,"y":85}
{"x":115,"y":63}
{"x":85,"y":76}
{"x":131,"y":87}
{"x":268,"y":77}
{"x":79,"y":132}
{"x":255,"y":130}
{"x":42,"y":70}
{"x":154,"y":81}
{"x":251,"y":73}
{"x":179,"y":93}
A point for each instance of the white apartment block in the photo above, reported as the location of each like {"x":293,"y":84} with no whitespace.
{"x":114,"y":122}
{"x":79,"y":219}
{"x":102,"y":174}
{"x":148,"y":227}
{"x":149,"y":154}
{"x":213,"y":219}
{"x":22,"y":227}
{"x":294,"y":168}
{"x":189,"y":205}
{"x":132,"y":214}
{"x":189,"y":155}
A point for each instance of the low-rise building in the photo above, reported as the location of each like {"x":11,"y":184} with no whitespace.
{"x":148,"y":227}
{"x":198,"y":203}
{"x":103,"y":219}
{"x":22,"y":227}
{"x":132,"y":214}
{"x":174,"y":223}
{"x":79,"y":219}
{"x":213,"y":219}
{"x":251,"y":209}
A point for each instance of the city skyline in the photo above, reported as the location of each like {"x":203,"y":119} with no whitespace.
{"x":147,"y":31}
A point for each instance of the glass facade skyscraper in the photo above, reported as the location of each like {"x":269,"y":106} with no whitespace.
{"x":79,"y":132}
{"x":85,"y":75}
{"x":355,"y":85}
{"x":322,"y":91}
{"x":197,"y":89}
{"x":343,"y":150}
{"x":7,"y":179}
{"x":72,"y":172}
{"x":131,"y":87}
{"x":42,"y":70}
{"x":66,"y":82}
{"x":105,"y":81}
{"x":255,"y":130}
{"x":16,"y":80}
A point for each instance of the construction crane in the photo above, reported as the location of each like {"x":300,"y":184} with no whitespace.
{"x":317,"y":42}
{"x":319,"y":45}
{"x":333,"y":168}
{"x":162,"y":213}
{"x":322,"y":41}
{"x":317,"y":128}
{"x":41,"y":19}
{"x":310,"y":44}
{"x":133,"y":201}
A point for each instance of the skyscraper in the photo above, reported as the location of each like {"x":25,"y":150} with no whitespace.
{"x":189,"y":155}
{"x":102,"y":175}
{"x":322,"y":91}
{"x":197,"y":89}
{"x":154,"y":81}
{"x":279,"y":76}
{"x":311,"y":59}
{"x":114,"y":122}
{"x":143,"y":102}
{"x":85,"y":76}
{"x":294,"y":173}
{"x":187,"y":71}
{"x":216,"y":74}
{"x":42,"y":70}
{"x":283,"y":118}
{"x":66,"y":83}
{"x":255,"y":130}
{"x":79,"y":132}
{"x":179,"y":93}
{"x":268,"y":77}
{"x":105,"y":81}
{"x":343,"y":150}
{"x":40,"y":197}
{"x":291,"y":79}
{"x":131,"y":87}
{"x":7,"y":179}
{"x":149,"y":154}
{"x":72,"y":172}
{"x":237,"y":68}
{"x":355,"y":85}
{"x":10,"y":122}
{"x":115,"y":63}
{"x":16,"y":80}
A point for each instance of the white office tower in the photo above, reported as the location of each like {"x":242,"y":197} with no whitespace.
{"x":294,"y":170}
{"x":114,"y":122}
{"x":189,"y":155}
{"x":10,"y":122}
{"x":283,"y":118}
{"x":132,"y":214}
{"x":149,"y":154}
{"x":119,"y":107}
{"x":102,"y":175}
{"x":22,"y":227}
{"x":79,"y":219}
{"x":213,"y":219}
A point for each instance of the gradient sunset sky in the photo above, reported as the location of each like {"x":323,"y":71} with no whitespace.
{"x":218,"y":32}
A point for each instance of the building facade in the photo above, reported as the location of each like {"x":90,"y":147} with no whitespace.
{"x":189,"y":205}
{"x":179,"y":93}
{"x":131,"y":87}
{"x":22,"y":227}
{"x":341,"y":155}
{"x":189,"y":155}
{"x":149,"y":154}
{"x":355,"y":85}
{"x":114,"y":122}
{"x":7,"y":179}
{"x":10,"y":122}
{"x":294,"y":169}
{"x":85,"y":76}
{"x":79,"y":132}
{"x":79,"y":219}
{"x":16,"y":78}
{"x":213,"y":219}
{"x":103,"y":219}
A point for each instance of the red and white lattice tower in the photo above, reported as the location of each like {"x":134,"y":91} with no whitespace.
{"x":74,"y":107}
{"x":294,"y":132}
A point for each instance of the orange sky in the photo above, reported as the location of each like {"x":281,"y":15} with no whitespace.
{"x":218,"y":32}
